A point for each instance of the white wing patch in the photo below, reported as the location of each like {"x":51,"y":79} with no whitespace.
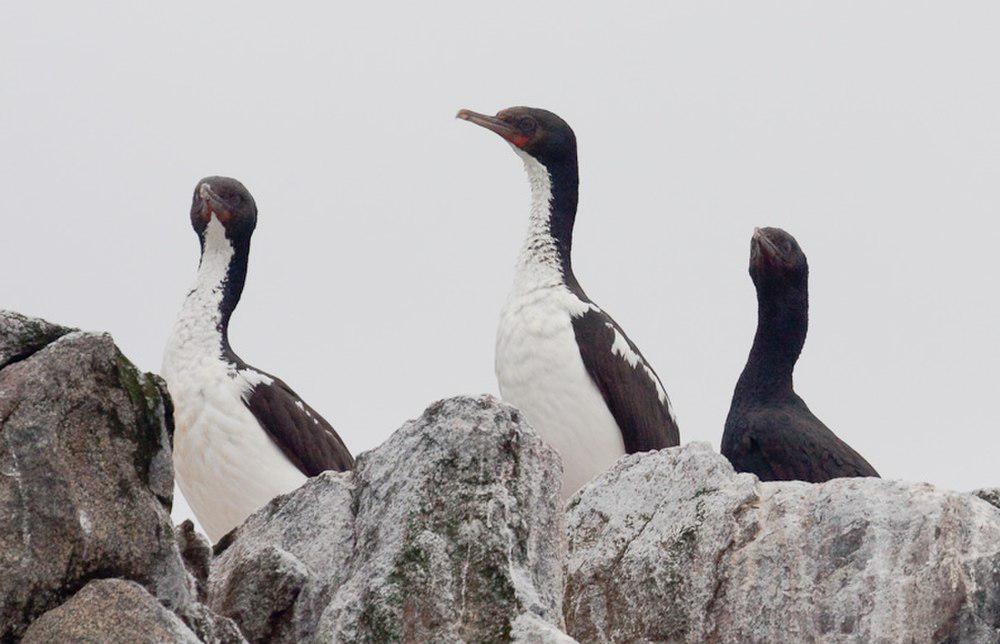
{"x":248,"y":379}
{"x":621,"y":347}
{"x":255,"y":378}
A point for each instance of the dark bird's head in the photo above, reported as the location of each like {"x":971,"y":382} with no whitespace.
{"x":537,"y":132}
{"x":227,"y":201}
{"x":777,"y":263}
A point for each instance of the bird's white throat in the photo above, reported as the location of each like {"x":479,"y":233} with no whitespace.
{"x":538,"y":263}
{"x":198,"y":323}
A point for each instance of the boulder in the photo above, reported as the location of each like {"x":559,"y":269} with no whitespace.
{"x":111,"y":611}
{"x":449,"y":531}
{"x":276,"y":573}
{"x":86,"y":479}
{"x":674,"y":545}
{"x":21,"y":336}
{"x":458,"y":530}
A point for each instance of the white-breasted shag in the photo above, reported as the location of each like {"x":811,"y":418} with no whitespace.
{"x":571,"y":370}
{"x":242,"y":436}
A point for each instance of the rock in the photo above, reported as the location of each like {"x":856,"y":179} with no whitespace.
{"x":675,"y":546}
{"x":276,"y":573}
{"x":263,"y":588}
{"x":209,"y":626}
{"x":196,"y":552}
{"x":85,"y":477}
{"x":533,"y":629}
{"x":110,"y":611}
{"x":450,"y":530}
{"x":21,"y":336}
{"x":85,"y":460}
{"x":990,"y":494}
{"x":458,"y":530}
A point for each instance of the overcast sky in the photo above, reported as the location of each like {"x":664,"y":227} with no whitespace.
{"x":388,"y":230}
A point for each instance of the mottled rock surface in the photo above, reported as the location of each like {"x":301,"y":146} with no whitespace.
{"x":990,"y":494}
{"x":449,"y":531}
{"x":85,"y":478}
{"x":86,"y":484}
{"x":276,"y":573}
{"x":458,"y":530}
{"x":675,"y":546}
{"x":110,"y":611}
{"x":534,"y":629}
{"x":452,"y":531}
{"x":196,"y":552}
{"x":21,"y":336}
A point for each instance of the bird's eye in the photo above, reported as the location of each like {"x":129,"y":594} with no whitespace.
{"x":526,"y":124}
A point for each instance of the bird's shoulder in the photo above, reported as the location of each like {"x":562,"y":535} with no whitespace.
{"x":302,"y":434}
{"x":630,"y":387}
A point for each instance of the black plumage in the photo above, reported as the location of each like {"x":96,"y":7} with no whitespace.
{"x":770,"y":431}
{"x":630,"y":392}
{"x":302,"y":435}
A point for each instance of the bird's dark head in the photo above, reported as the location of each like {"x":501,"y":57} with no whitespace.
{"x":777,"y":263}
{"x":226,"y":200}
{"x":537,"y":132}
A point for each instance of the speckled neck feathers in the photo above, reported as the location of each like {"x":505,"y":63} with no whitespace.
{"x":545,"y":255}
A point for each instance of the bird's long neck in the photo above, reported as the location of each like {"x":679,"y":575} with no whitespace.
{"x":545,"y":254}
{"x":782,"y":323}
{"x":222,"y":273}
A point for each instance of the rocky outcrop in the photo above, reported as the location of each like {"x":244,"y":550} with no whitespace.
{"x":675,"y":546}
{"x":85,"y":476}
{"x":449,"y":531}
{"x":452,"y":531}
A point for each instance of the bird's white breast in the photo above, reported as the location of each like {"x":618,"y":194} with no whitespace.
{"x":540,"y":371}
{"x":225,"y":464}
{"x":538,"y":363}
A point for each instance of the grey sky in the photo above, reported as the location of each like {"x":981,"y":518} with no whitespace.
{"x":388,"y":230}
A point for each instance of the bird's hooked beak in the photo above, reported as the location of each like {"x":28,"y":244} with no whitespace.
{"x":763,"y":248}
{"x":211,"y":203}
{"x":504,"y":129}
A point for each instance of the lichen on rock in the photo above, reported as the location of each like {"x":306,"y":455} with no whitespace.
{"x":448,"y":531}
{"x":85,"y":476}
{"x":674,"y":545}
